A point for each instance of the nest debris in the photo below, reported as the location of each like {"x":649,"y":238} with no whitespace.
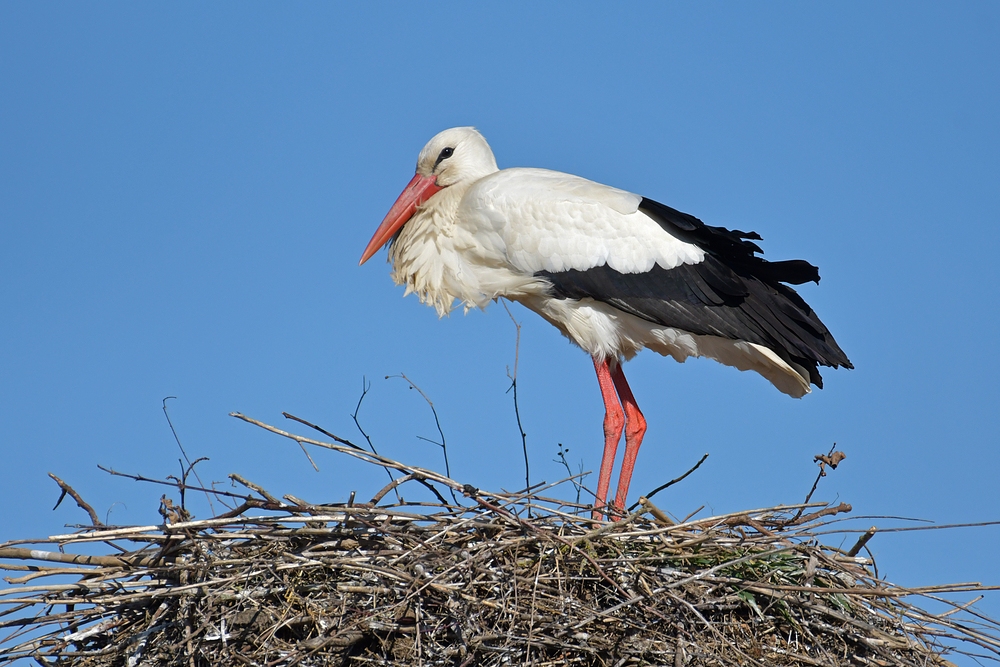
{"x":495,"y":579}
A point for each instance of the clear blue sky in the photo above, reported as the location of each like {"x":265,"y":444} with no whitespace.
{"x":185,"y":191}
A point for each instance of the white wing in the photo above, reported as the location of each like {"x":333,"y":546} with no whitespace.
{"x":543,"y":220}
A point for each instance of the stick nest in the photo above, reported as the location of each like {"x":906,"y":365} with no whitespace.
{"x":489,"y":579}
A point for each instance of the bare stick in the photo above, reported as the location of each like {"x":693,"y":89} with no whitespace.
{"x":364,"y":390}
{"x":513,"y":389}
{"x":177,"y":439}
{"x":657,"y":513}
{"x":831,"y":459}
{"x":336,"y":438}
{"x":391,"y":486}
{"x":255,"y":487}
{"x":365,"y":386}
{"x":910,"y":529}
{"x":68,"y":490}
{"x":691,"y":515}
{"x":356,"y":452}
{"x":862,"y":541}
{"x":671,"y":482}
{"x":437,"y":422}
{"x":304,"y":450}
{"x":798,"y":519}
{"x":75,"y":559}
{"x":572,"y":477}
{"x":142,"y":478}
{"x":182,"y":485}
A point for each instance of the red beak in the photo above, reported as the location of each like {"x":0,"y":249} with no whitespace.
{"x":419,"y":190}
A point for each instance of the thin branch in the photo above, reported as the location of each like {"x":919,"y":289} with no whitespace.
{"x":356,"y":452}
{"x":83,"y":504}
{"x":182,"y":484}
{"x":391,"y":486}
{"x":822,"y":461}
{"x":437,"y":422}
{"x":177,"y":439}
{"x":151,"y":480}
{"x":336,"y":438}
{"x":255,"y":487}
{"x":304,"y":450}
{"x":572,"y":477}
{"x":862,"y":541}
{"x":671,"y":482}
{"x":322,"y":430}
{"x":365,"y":386}
{"x":910,"y":529}
{"x":513,"y":388}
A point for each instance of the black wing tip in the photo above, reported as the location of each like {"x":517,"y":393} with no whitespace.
{"x":791,"y":271}
{"x":836,"y":360}
{"x":812,"y":366}
{"x":814,"y":376}
{"x":753,"y":236}
{"x":736,"y":248}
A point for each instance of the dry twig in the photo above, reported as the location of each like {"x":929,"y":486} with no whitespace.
{"x":83,"y":504}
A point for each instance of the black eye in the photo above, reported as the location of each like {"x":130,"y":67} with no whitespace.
{"x":444,"y":155}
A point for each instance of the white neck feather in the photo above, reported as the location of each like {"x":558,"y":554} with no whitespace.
{"x":424,"y":256}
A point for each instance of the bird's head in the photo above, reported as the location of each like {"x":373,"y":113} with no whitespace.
{"x":456,"y":157}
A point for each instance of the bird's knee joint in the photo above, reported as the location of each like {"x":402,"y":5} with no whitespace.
{"x":614,"y":424}
{"x":636,"y":427}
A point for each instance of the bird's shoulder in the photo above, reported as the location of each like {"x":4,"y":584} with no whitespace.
{"x":526,"y":188}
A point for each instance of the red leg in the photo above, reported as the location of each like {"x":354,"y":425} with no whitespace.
{"x":635,"y":429}
{"x":614,"y":422}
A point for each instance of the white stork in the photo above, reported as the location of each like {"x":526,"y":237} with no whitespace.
{"x":613,"y":271}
